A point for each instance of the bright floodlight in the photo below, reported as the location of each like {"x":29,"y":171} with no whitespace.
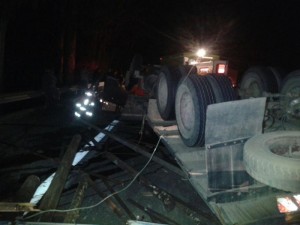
{"x":201,"y":52}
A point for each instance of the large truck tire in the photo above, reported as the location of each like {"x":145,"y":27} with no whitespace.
{"x":218,"y":91}
{"x":225,"y":87}
{"x":257,"y":80}
{"x":290,"y":94}
{"x":274,"y":159}
{"x":279,"y":74}
{"x":193,"y":95}
{"x":167,"y":82}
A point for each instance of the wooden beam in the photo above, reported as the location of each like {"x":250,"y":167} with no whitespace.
{"x":108,"y":201}
{"x":17,"y":207}
{"x":155,"y":216}
{"x":51,"y":198}
{"x":25,"y":193}
{"x":77,"y":200}
{"x":119,"y":200}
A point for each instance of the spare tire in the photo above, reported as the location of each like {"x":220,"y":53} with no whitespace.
{"x":257,"y":80}
{"x":290,"y":94}
{"x":193,"y":95}
{"x":167,"y":82}
{"x":274,"y":159}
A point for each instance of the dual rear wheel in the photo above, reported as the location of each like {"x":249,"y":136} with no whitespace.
{"x":185,"y":95}
{"x":259,"y":80}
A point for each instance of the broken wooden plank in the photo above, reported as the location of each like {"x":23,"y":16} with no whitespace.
{"x":28,"y":188}
{"x":17,"y":207}
{"x":39,"y":193}
{"x":108,"y":201}
{"x":51,"y":198}
{"x":108,"y":180}
{"x":120,"y":163}
{"x":77,"y":200}
{"x":119,"y":200}
{"x":155,"y":216}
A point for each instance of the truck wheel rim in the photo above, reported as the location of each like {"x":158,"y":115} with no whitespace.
{"x":187,"y":111}
{"x":253,"y":90}
{"x":285,"y":146}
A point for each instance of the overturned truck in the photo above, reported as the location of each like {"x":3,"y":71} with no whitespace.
{"x":239,"y":146}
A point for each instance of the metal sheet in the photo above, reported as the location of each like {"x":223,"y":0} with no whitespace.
{"x":228,"y":126}
{"x":233,"y":120}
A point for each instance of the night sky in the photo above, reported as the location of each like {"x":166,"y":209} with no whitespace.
{"x":108,"y":33}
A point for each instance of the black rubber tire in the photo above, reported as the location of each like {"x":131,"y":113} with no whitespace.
{"x":226,"y":88}
{"x":167,"y":82}
{"x":279,"y":74}
{"x":193,"y":95}
{"x":216,"y":88}
{"x":208,"y":87}
{"x":273,"y":169}
{"x":290,"y":93}
{"x":257,"y":80}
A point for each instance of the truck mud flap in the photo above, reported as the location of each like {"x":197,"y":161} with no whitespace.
{"x":228,"y":126}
